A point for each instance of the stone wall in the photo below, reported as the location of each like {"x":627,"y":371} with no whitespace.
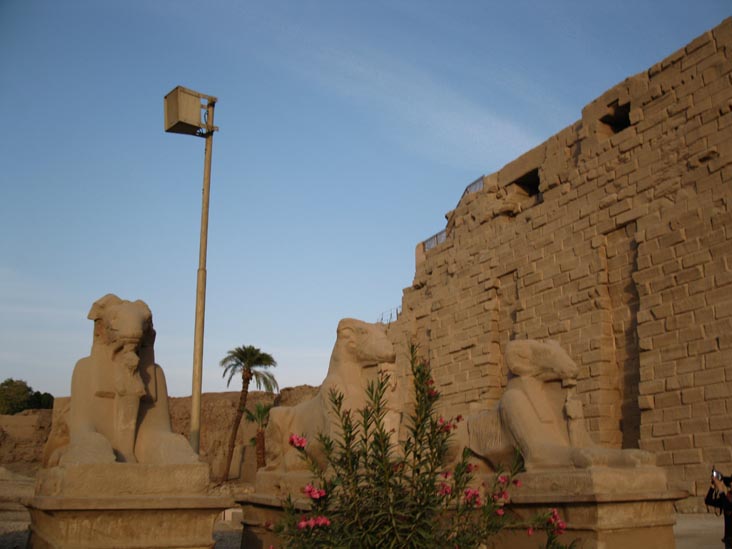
{"x":23,"y":436}
{"x":613,"y":237}
{"x":217,"y":414}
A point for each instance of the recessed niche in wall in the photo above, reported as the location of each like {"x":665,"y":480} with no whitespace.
{"x":616,"y":119}
{"x":526,"y":189}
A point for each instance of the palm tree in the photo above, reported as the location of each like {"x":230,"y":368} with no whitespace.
{"x":251,"y":363}
{"x":260,"y":416}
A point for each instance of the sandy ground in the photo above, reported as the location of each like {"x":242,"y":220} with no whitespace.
{"x":699,"y":531}
{"x":693,"y":531}
{"x":14,"y":535}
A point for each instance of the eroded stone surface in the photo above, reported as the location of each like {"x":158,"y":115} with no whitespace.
{"x":119,"y":399}
{"x":117,"y":475}
{"x":612,"y":237}
{"x":360,"y":350}
{"x":540,"y":415}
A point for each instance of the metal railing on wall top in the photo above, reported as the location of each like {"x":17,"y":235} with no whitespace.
{"x":387,"y":317}
{"x":439,"y":238}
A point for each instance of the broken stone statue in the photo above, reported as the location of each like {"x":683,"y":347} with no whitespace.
{"x":541,"y":415}
{"x":117,"y":475}
{"x":119,"y":399}
{"x":360,"y":350}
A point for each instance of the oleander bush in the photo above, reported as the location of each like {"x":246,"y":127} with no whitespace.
{"x":378,"y":493}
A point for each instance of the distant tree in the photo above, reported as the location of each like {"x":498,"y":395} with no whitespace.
{"x":251,"y":363}
{"x":40,"y":401}
{"x":15,"y":396}
{"x":260,"y":416}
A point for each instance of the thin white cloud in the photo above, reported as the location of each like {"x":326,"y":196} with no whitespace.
{"x":419,"y":111}
{"x":427,"y":116}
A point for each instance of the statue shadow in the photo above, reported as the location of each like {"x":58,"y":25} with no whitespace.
{"x":15,"y":539}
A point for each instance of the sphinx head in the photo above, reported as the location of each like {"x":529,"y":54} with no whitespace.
{"x":543,"y":360}
{"x":123,"y":332}
{"x":367,"y":344}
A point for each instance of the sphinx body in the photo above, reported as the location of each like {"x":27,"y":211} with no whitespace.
{"x":119,"y":399}
{"x":360,"y":347}
{"x":540,"y":415}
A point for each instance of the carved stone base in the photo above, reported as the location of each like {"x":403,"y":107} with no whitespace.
{"x":281,"y":484}
{"x":124,"y":506}
{"x":603,"y":507}
{"x":260,"y":513}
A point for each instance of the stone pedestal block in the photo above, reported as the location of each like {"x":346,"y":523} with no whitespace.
{"x":281,"y":484}
{"x":603,"y":507}
{"x":260,"y":513}
{"x":124,"y":506}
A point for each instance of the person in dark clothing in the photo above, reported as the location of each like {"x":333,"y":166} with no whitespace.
{"x":720,"y":497}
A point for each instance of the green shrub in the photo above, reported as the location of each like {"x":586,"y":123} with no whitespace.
{"x":375,"y":493}
{"x":16,"y":395}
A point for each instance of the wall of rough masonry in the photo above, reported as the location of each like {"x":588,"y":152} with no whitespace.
{"x":614,"y":237}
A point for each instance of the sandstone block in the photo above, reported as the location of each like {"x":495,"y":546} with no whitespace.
{"x":695,"y":425}
{"x":666,"y":429}
{"x":708,"y":377}
{"x":687,"y":456}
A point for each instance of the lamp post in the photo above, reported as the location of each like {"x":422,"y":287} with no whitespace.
{"x":183,"y":115}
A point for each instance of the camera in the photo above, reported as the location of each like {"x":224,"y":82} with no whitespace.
{"x":719,"y":476}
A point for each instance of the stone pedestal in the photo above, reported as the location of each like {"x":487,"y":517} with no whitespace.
{"x":281,"y":484}
{"x":13,"y":490}
{"x":603,"y":507}
{"x":260,"y":513}
{"x":124,"y":506}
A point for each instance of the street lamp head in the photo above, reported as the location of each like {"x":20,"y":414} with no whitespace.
{"x":183,"y":112}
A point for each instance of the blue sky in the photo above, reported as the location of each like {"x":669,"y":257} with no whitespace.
{"x":347,"y":131}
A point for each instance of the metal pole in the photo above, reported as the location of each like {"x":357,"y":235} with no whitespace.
{"x":195,"y":436}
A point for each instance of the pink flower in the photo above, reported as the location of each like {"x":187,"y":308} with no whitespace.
{"x":459,"y":418}
{"x":555,"y":520}
{"x":313,"y":492}
{"x":500,"y":511}
{"x":502,"y":479}
{"x":297,"y":441}
{"x":472,"y":467}
{"x":517,"y":483}
{"x":433,"y":393}
{"x":313,"y":522}
{"x":322,"y":521}
{"x":444,"y":489}
{"x":446,"y":474}
{"x":472,"y":496}
{"x":530,"y":531}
